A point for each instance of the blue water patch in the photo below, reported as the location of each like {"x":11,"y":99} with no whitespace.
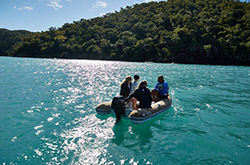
{"x":48,"y":114}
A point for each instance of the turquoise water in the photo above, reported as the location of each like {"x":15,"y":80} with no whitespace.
{"x":48,"y":114}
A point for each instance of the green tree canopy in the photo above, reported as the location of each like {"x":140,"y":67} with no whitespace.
{"x":183,"y":31}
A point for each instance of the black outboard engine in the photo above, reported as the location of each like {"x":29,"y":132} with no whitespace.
{"x":118,"y":106}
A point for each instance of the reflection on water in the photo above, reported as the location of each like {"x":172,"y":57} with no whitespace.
{"x":48,"y":114}
{"x":131,"y":135}
{"x":85,"y":143}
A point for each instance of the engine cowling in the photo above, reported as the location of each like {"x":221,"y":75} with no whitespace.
{"x":118,"y":106}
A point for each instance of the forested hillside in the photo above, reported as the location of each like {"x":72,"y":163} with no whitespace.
{"x":9,"y":38}
{"x":181,"y":31}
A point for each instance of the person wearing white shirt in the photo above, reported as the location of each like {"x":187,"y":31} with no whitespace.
{"x":135,"y":83}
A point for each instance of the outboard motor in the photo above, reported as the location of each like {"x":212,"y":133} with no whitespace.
{"x":118,"y":106}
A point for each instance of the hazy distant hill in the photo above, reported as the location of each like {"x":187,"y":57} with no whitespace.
{"x":181,"y":31}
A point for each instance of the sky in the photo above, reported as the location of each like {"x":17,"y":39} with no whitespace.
{"x":40,"y":15}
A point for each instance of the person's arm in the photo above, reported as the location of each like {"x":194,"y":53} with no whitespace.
{"x":132,"y":88}
{"x":134,"y":94}
{"x":149,"y":99}
{"x":166,"y":89}
{"x":130,"y":96}
{"x":156,"y":87}
{"x":150,"y":96}
{"x":122,"y":90}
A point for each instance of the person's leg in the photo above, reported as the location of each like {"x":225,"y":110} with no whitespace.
{"x":155,"y":95}
{"x":163,"y":97}
{"x":134,"y":103}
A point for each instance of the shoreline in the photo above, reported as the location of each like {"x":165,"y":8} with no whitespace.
{"x":128,"y":61}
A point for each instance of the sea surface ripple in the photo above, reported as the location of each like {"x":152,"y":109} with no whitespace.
{"x":48,"y":114}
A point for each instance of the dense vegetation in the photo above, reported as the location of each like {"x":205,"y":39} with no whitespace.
{"x":181,"y":31}
{"x":9,"y":38}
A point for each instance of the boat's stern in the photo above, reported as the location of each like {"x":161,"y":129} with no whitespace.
{"x":103,"y":108}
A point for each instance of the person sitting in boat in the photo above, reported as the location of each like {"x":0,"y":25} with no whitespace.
{"x":141,"y":94}
{"x":135,"y":83}
{"x":162,"y":88}
{"x":126,"y":86}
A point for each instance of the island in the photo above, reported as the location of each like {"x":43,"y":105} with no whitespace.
{"x":215,"y":32}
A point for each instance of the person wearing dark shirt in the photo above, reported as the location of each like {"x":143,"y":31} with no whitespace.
{"x":141,"y":94}
{"x":126,"y":86}
{"x":162,"y":88}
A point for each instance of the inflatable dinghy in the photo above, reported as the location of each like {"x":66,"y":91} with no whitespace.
{"x":118,"y":107}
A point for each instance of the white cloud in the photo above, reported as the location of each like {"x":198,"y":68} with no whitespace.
{"x":27,"y":8}
{"x":55,"y":4}
{"x":152,"y":0}
{"x":99,"y":4}
{"x":102,"y":14}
